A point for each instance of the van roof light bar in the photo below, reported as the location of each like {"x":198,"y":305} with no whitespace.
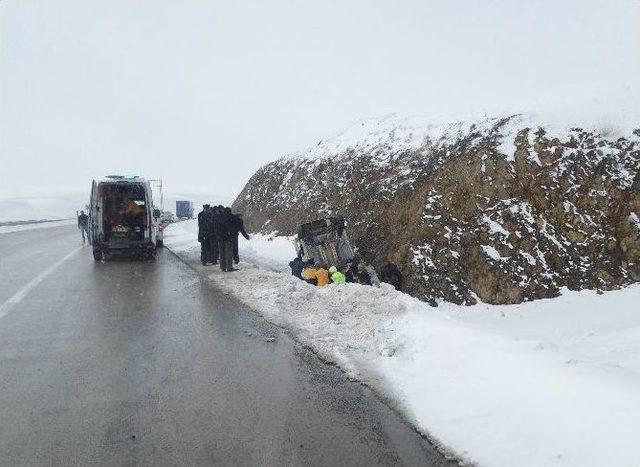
{"x":122,"y":177}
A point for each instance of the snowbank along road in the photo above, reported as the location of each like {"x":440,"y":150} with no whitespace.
{"x":548,"y":382}
{"x":143,"y":363}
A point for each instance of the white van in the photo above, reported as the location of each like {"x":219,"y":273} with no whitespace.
{"x":122,"y":218}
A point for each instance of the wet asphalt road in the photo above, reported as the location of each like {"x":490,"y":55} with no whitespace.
{"x":142,"y":363}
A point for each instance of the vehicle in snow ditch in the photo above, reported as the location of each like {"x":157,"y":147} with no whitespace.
{"x":122,"y":219}
{"x":325,"y":242}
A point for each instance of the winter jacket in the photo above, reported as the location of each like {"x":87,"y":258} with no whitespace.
{"x":83,"y":220}
{"x":309,"y":275}
{"x":363,"y":278}
{"x":131,"y":208}
{"x":338,"y":278}
{"x":297,"y":265}
{"x":392,"y":275}
{"x":201,"y":229}
{"x":322,"y":275}
{"x":237,"y":225}
{"x":223,"y":226}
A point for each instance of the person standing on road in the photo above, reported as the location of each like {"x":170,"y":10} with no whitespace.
{"x":212,"y":239}
{"x":83,"y":225}
{"x":202,"y":234}
{"x":224,"y":227}
{"x":238,"y":228}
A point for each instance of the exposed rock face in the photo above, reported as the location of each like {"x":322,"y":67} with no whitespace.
{"x":505,"y":209}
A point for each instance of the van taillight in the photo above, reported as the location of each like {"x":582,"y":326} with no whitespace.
{"x":101,"y":237}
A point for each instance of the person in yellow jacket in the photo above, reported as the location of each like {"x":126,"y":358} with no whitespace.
{"x":132,"y":214}
{"x":309,"y":273}
{"x":337,"y":277}
{"x":131,"y":207}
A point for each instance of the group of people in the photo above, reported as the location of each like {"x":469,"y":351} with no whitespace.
{"x":357,"y":272}
{"x":218,"y":231}
{"x":320,"y":276}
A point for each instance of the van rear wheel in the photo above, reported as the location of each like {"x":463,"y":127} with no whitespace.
{"x":97,"y":255}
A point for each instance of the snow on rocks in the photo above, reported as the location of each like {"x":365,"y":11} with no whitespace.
{"x":491,"y":252}
{"x":414,"y":191}
{"x":546,"y":382}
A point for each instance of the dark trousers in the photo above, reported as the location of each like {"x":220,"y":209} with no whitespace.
{"x":214,"y":252}
{"x":226,"y":254}
{"x":209,"y":252}
{"x":85,"y":230}
{"x":204,"y":251}
{"x":236,"y":254}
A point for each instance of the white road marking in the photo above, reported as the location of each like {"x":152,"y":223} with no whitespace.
{"x":6,"y":307}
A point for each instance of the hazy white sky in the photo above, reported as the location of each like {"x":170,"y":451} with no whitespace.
{"x":203,"y":93}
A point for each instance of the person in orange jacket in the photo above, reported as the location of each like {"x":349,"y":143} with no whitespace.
{"x":309,"y":273}
{"x":322,"y":275}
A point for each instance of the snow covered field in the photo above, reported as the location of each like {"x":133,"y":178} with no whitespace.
{"x":36,"y":225}
{"x":550,"y":382}
{"x":41,"y":204}
{"x":63,"y":202}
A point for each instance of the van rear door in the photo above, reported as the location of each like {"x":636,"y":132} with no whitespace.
{"x":92,"y":213}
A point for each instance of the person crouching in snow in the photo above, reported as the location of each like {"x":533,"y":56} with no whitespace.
{"x":362,"y":276}
{"x":337,"y":277}
{"x":322,"y":276}
{"x":392,"y":275}
{"x":297,"y":265}
{"x":309,"y":273}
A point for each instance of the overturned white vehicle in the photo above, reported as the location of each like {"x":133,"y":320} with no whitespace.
{"x":325,"y":242}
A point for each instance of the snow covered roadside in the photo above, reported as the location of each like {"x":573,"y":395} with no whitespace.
{"x":36,"y":225}
{"x":551,"y":382}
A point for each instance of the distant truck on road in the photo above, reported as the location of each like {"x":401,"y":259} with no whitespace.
{"x":184,"y":209}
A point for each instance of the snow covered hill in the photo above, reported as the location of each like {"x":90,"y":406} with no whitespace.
{"x":505,"y":209}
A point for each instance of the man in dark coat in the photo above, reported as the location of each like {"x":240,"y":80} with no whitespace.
{"x":212,"y":236}
{"x":238,"y":228}
{"x":83,"y":225}
{"x":224,"y":227}
{"x":202,"y":234}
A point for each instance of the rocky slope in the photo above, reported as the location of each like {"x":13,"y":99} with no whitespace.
{"x":502,"y":209}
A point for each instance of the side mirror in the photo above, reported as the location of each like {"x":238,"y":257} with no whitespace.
{"x":156,"y":214}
